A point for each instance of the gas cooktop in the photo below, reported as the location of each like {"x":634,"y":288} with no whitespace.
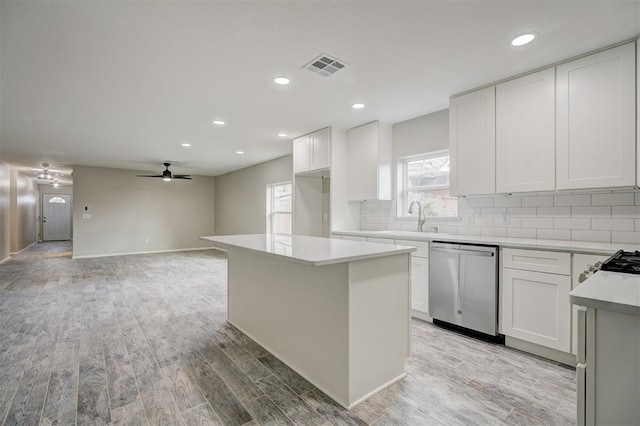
{"x":627,"y":262}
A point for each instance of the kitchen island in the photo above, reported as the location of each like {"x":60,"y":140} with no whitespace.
{"x":336,"y":312}
{"x":608,"y":370}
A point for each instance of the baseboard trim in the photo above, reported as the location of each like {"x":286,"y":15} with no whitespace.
{"x":91,"y":256}
{"x":13,"y":253}
{"x":5,"y":260}
{"x":421,"y":316}
{"x":541,"y":351}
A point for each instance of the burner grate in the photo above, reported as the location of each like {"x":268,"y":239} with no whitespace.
{"x":623,"y":261}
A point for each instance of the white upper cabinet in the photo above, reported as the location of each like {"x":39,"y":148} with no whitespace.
{"x":525,"y":133}
{"x":596,"y":120}
{"x":301,"y":154}
{"x":311,"y":152}
{"x":319,"y":149}
{"x":472,"y":143}
{"x":370,"y":157}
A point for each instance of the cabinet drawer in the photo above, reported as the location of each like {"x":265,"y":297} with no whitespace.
{"x":381,"y":240}
{"x":537,"y":261}
{"x":353,"y":238}
{"x":422,"y":246}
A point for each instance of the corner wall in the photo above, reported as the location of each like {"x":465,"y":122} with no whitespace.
{"x":132,"y":215}
{"x":241,"y":196}
{"x":23,"y":202}
{"x":5,"y":227}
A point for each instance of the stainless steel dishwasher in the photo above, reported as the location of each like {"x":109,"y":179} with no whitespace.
{"x":463,"y":286}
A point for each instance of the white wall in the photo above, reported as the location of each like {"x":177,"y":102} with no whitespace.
{"x":5,"y":244}
{"x":127,"y":210}
{"x":241,"y":196}
{"x":421,"y":134}
{"x":23,"y":202}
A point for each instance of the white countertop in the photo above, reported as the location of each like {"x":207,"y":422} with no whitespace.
{"x":531,"y":243}
{"x":312,"y":251}
{"x":611,"y":291}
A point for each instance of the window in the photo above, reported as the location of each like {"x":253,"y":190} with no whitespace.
{"x":279,"y":196}
{"x":57,"y":200}
{"x":425,"y":178}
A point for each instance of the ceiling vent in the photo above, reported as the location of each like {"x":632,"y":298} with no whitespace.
{"x":325,"y":65}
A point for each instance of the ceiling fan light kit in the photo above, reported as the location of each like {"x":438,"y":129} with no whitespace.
{"x":166,"y":175}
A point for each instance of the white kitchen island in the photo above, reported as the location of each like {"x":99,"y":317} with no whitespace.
{"x":335,"y":311}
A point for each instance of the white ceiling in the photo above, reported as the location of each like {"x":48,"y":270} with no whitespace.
{"x":122,"y":84}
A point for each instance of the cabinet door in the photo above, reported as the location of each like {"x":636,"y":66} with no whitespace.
{"x":472,"y":143}
{"x":363,"y":162}
{"x":420,"y":284}
{"x":319,"y":142}
{"x":536,"y":308}
{"x":581,"y":263}
{"x":301,"y":154}
{"x":596,"y":119}
{"x":525,"y":133}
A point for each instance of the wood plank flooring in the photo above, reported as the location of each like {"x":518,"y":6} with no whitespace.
{"x":143,"y":340}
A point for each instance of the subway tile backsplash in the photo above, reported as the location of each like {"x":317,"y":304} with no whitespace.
{"x":603,"y":216}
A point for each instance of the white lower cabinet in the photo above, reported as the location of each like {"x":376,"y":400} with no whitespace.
{"x":536,"y":307}
{"x":581,"y":263}
{"x":419,"y":278}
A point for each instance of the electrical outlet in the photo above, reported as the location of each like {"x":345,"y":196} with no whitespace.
{"x":506,"y":218}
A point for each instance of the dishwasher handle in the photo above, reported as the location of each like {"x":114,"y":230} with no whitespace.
{"x":467,"y":252}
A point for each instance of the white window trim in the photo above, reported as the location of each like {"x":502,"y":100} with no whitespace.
{"x":271,"y":211}
{"x":402,"y":186}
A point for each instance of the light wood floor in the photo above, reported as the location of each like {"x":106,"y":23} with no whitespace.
{"x":143,"y":340}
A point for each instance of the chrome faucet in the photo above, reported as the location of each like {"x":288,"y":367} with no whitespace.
{"x":421,"y":220}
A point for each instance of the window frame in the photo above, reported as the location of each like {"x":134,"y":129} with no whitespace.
{"x":271,"y":212}
{"x":403,"y":183}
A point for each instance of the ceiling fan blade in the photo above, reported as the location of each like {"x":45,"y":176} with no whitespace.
{"x":155,"y":176}
{"x":182,"y":177}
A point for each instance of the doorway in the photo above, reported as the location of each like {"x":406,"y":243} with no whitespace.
{"x":56,"y":217}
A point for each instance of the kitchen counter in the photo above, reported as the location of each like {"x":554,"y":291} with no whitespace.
{"x":311,"y":251}
{"x":337,"y":312}
{"x":526,"y":243}
{"x":612,"y":291}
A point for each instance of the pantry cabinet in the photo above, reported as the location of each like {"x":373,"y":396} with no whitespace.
{"x":370,"y":162}
{"x":525,"y":133}
{"x":472,"y":143}
{"x":535,"y":304}
{"x":311,"y":152}
{"x":596,"y":120}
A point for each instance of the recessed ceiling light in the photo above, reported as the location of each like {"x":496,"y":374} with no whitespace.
{"x":239,"y":152}
{"x":281,"y":80}
{"x":218,"y":122}
{"x":282,"y":135}
{"x":186,"y":145}
{"x":523,"y":39}
{"x":357,"y":106}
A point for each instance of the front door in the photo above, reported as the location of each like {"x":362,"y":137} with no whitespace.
{"x":56,"y":217}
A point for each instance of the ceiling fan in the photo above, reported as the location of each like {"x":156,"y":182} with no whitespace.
{"x":166,"y":175}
